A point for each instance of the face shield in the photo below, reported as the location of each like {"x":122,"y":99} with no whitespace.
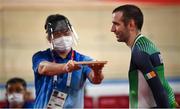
{"x":61,"y":26}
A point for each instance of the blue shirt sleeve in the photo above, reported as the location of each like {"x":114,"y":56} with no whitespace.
{"x":29,"y":104}
{"x":36,"y":59}
{"x":86,"y":69}
{"x":143,"y":63}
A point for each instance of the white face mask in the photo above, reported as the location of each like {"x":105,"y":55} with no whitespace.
{"x":63,"y":43}
{"x":15,"y":98}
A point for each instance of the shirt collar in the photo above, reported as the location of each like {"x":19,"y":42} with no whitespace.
{"x":56,"y":56}
{"x":137,"y":37}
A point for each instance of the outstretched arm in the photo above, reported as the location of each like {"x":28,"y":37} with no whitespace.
{"x":51,"y":68}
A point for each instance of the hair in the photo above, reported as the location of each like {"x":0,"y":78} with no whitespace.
{"x":54,"y":18}
{"x":16,"y":80}
{"x":131,"y":12}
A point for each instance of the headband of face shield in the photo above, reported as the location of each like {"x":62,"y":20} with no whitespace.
{"x":61,"y":26}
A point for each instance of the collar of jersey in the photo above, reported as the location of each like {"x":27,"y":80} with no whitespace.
{"x":138,"y":36}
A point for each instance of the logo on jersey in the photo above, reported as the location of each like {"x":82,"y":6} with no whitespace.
{"x":160,"y":58}
{"x":151,"y":74}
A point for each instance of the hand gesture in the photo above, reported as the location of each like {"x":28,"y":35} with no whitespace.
{"x":97,"y":68}
{"x":70,"y":66}
{"x":97,"y":75}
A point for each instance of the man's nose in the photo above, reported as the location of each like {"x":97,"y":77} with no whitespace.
{"x":112,"y":29}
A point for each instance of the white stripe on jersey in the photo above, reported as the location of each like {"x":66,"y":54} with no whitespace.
{"x":145,"y":96}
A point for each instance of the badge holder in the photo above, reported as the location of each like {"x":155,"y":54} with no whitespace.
{"x":57,"y":100}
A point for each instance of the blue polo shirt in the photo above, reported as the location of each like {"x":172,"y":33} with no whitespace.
{"x":44,"y":84}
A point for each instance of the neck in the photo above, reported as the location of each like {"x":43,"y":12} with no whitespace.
{"x":63,"y":54}
{"x":132,"y":38}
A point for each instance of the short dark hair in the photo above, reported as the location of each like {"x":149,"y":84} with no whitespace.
{"x":16,"y":80}
{"x":54,"y":18}
{"x":131,"y":12}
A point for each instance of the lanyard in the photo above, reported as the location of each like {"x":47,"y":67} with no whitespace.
{"x":69,"y":77}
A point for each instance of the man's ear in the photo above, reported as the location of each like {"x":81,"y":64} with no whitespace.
{"x":28,"y":96}
{"x":25,"y":95}
{"x":132,"y":25}
{"x":6,"y":95}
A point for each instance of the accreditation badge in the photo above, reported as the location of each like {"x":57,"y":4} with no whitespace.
{"x":57,"y":100}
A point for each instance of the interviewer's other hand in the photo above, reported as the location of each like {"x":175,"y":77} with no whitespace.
{"x":177,"y":105}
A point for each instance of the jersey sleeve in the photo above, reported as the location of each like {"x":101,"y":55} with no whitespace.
{"x":36,"y":59}
{"x":143,"y":63}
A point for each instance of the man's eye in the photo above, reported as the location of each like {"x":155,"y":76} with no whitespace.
{"x":19,"y":90}
{"x":56,"y":34}
{"x":10,"y":90}
{"x":65,"y":31}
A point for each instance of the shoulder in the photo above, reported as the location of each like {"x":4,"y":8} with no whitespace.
{"x":146,"y":45}
{"x":29,"y":104}
{"x":82,"y":57}
{"x":41,"y":53}
{"x":139,"y":55}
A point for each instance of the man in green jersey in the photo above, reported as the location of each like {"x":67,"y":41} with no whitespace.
{"x":148,"y":86}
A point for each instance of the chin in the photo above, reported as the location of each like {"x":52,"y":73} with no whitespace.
{"x":62,"y":51}
{"x":59,"y":51}
{"x":119,"y":40}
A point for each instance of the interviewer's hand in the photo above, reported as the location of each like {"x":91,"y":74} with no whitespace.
{"x":70,"y":66}
{"x":97,"y":75}
{"x":97,"y":68}
{"x":177,"y":105}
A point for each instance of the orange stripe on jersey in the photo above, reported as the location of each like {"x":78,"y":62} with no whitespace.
{"x":151,"y":74}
